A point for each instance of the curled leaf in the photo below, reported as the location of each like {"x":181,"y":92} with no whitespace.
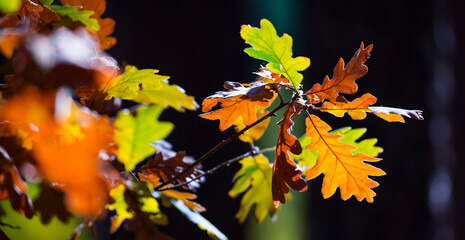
{"x":285,"y":172}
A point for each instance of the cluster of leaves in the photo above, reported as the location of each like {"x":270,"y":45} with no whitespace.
{"x":64,"y":127}
{"x":336,"y":154}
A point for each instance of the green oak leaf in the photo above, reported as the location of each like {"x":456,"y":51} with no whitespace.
{"x":366,"y":146}
{"x":82,"y":16}
{"x":266,"y":45}
{"x":120,"y":206}
{"x":145,"y":86}
{"x":254,"y":178}
{"x":307,"y":159}
{"x":135,"y":134}
{"x":169,"y":95}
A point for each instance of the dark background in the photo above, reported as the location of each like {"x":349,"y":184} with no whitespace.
{"x":416,"y":63}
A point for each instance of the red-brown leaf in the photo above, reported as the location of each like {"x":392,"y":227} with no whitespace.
{"x":285,"y":172}
{"x":170,"y":167}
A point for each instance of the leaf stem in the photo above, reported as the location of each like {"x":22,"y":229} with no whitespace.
{"x":222,"y":144}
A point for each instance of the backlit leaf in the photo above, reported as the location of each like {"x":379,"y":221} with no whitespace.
{"x":350,"y":136}
{"x":168,"y":96}
{"x":241,"y":101}
{"x":135,"y":134}
{"x":343,"y":80}
{"x":75,"y":15}
{"x":106,"y":24}
{"x":266,"y":45}
{"x":257,"y":131}
{"x":285,"y":172}
{"x":254,"y":178}
{"x":166,"y":168}
{"x":145,"y":86}
{"x":341,"y":167}
{"x":356,"y":109}
{"x":120,"y":206}
{"x":395,"y":114}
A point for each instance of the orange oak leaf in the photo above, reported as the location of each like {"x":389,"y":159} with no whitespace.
{"x":107,"y":25}
{"x":358,"y":108}
{"x":341,"y":168}
{"x":168,"y":167}
{"x":285,"y":171}
{"x":75,"y":136}
{"x":185,"y":197}
{"x":240,"y":101}
{"x":343,"y":80}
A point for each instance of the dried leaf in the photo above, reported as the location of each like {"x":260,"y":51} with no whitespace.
{"x":170,"y":167}
{"x":395,"y":114}
{"x":341,"y":168}
{"x":285,"y":172}
{"x":343,"y":80}
{"x":266,"y":45}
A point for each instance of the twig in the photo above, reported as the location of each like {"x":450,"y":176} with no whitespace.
{"x":219,"y":167}
{"x":222,"y":144}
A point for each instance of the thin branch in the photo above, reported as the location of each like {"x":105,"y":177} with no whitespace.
{"x":222,"y":144}
{"x":253,"y":152}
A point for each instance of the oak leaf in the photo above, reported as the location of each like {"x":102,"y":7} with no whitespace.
{"x":135,"y":134}
{"x":358,"y":108}
{"x":241,"y":101}
{"x":343,"y":80}
{"x":77,"y":15}
{"x":169,"y":167}
{"x":145,"y":86}
{"x":254,"y":178}
{"x":266,"y":45}
{"x":33,"y":11}
{"x":107,"y":25}
{"x":341,"y":167}
{"x":285,"y":172}
{"x":395,"y":114}
{"x":257,"y":131}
